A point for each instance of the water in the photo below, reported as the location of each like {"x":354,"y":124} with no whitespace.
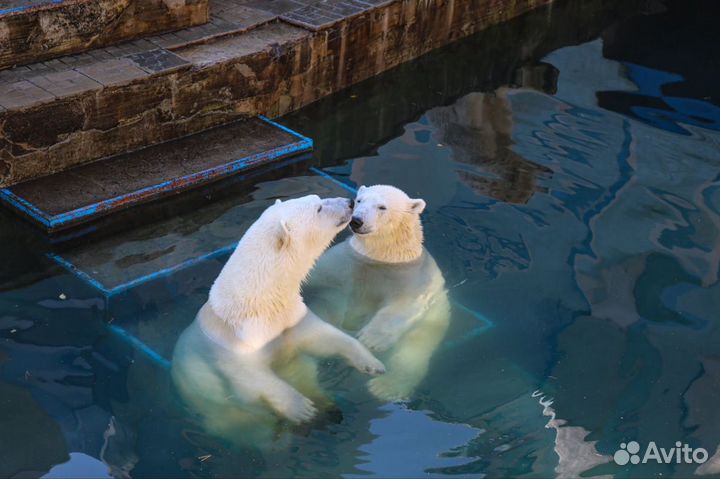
{"x":571,"y":166}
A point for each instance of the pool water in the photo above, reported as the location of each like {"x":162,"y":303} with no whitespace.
{"x":570,"y":161}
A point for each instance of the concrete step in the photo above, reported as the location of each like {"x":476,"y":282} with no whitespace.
{"x":38,"y":30}
{"x":254,"y":57}
{"x":97,"y":189}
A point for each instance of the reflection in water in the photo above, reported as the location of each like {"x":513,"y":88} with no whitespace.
{"x":422,"y":446}
{"x":586,"y":235}
{"x":30,"y":424}
{"x":576,"y":455}
{"x":622,"y":246}
{"x":478,"y":128}
{"x":701,"y":400}
{"x":81,"y":466}
{"x":118,"y":449}
{"x":53,"y":381}
{"x":677,"y":85}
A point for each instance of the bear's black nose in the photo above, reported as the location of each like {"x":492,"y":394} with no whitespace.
{"x":356,"y":223}
{"x":351,"y":202}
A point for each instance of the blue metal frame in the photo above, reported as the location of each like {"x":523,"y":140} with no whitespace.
{"x":108,"y":292}
{"x":25,"y":207}
{"x":80,"y":274}
{"x":168,"y":271}
{"x":329,"y":177}
{"x":153,"y":355}
{"x":84,"y":213}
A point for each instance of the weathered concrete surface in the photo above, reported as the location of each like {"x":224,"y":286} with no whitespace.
{"x":32,"y":31}
{"x":272,"y":69}
{"x":87,"y":192}
{"x":98,"y":181}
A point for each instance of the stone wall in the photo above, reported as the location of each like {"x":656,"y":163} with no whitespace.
{"x":291,"y":67}
{"x":35,"y":33}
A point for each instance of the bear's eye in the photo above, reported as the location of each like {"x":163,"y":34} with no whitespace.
{"x":358,"y":201}
{"x":382,"y":207}
{"x":319,"y":209}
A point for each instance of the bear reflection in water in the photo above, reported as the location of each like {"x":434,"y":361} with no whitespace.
{"x":247,"y":359}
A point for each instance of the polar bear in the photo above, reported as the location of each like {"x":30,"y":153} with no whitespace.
{"x":383,"y":284}
{"x":250,"y":343}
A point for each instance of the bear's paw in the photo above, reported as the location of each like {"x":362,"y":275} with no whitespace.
{"x":390,"y":388}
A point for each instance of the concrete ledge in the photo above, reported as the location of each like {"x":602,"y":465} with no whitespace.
{"x":37,"y":30}
{"x":90,"y":191}
{"x":272,"y":69}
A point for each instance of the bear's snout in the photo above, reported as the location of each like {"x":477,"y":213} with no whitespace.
{"x":338,"y":208}
{"x":356,"y":223}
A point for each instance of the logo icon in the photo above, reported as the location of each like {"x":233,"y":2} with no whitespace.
{"x":627,"y":453}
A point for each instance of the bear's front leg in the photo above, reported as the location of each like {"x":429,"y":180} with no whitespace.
{"x":289,"y":403}
{"x":315,"y":336}
{"x":389,"y":324}
{"x":410,"y":357}
{"x":253,"y":380}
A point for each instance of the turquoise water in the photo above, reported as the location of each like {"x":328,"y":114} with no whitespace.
{"x":571,"y":166}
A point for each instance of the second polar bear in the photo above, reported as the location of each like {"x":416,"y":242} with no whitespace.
{"x":249,"y":345}
{"x":382,"y":284}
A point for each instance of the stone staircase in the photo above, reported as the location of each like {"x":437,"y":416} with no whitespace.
{"x":250,"y":57}
{"x":38,"y":30}
{"x":111,"y":100}
{"x":95,"y":189}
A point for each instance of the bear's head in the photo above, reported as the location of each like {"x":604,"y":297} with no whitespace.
{"x":308,"y":224}
{"x":379,"y":208}
{"x":262,"y":277}
{"x":386,"y":224}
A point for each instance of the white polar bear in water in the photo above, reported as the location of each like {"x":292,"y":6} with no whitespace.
{"x":384,"y":285}
{"x":247,"y":347}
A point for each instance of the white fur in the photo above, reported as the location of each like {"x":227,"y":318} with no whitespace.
{"x":385,"y":285}
{"x":391,"y":230}
{"x":258,"y":290}
{"x":255,"y":327}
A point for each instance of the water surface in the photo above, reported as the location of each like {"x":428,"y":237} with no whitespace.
{"x":571,"y":165}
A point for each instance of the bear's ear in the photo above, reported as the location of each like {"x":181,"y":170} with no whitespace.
{"x":283,"y":235}
{"x":277,"y":201}
{"x":417,"y":206}
{"x":362,"y":188}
